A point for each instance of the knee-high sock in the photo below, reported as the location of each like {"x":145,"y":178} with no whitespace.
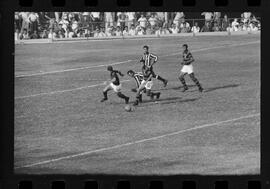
{"x":195,"y":80}
{"x":105,"y":94}
{"x":121,"y":95}
{"x":182,"y":80}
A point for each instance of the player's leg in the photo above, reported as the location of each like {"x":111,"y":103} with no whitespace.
{"x":182,"y":80}
{"x":196,"y":81}
{"x":117,"y":89}
{"x":121,"y":95}
{"x":139,"y":94}
{"x":158,"y":77}
{"x":105,"y":93}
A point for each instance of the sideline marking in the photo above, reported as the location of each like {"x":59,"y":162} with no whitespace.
{"x":127,"y":61}
{"x":136,"y":142}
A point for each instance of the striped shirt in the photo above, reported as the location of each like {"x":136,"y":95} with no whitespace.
{"x":148,"y":59}
{"x":138,"y":76}
{"x":187,"y":56}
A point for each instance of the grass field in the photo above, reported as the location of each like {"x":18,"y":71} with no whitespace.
{"x":61,"y":127}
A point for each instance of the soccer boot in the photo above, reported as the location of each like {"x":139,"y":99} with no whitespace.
{"x":140,"y":99}
{"x":104,"y":99}
{"x":127,"y":100}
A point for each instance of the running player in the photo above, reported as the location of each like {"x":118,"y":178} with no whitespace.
{"x":188,"y":69}
{"x":149,"y":59}
{"x":146,"y":85}
{"x":114,"y":85}
{"x":138,"y":79}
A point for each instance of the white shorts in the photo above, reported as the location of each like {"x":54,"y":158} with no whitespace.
{"x":187,"y":69}
{"x":148,"y":85}
{"x":116,"y":88}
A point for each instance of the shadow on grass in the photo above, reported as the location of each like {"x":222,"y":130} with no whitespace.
{"x":174,"y":88}
{"x":220,"y":87}
{"x":167,"y":101}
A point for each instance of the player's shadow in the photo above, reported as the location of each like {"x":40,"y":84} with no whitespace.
{"x":220,"y":87}
{"x":175,"y":88}
{"x":169,"y":100}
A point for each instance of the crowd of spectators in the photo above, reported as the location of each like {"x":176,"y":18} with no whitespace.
{"x":34,"y":25}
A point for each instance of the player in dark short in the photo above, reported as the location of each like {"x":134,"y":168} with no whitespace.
{"x":114,"y":85}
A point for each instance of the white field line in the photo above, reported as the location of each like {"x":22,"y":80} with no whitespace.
{"x":127,"y":61}
{"x":72,"y":69}
{"x":90,"y":86}
{"x":137,"y":141}
{"x":62,"y":91}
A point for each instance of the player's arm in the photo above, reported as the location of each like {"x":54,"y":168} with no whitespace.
{"x":142,"y":60}
{"x":120,"y":73}
{"x":154,"y":57}
{"x":190,"y":60}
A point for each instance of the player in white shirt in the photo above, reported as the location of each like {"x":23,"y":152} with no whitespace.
{"x":235,"y":25}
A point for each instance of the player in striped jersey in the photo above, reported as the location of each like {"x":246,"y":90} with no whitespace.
{"x":149,"y":59}
{"x":146,"y":85}
{"x":138,"y":76}
{"x":188,"y":69}
{"x":114,"y":85}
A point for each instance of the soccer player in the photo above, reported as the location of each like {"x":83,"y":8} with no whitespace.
{"x":114,"y":85}
{"x":188,"y":69}
{"x":146,"y":85}
{"x":149,"y":59}
{"x":138,"y":79}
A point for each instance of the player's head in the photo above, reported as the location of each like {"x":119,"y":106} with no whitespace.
{"x":145,"y":48}
{"x":110,"y":68}
{"x":185,"y":47}
{"x":131,"y":73}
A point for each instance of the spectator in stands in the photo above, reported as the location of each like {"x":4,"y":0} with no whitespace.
{"x":208,"y":17}
{"x":174,"y":29}
{"x":215,"y":27}
{"x":130,"y":19}
{"x":71,"y":33}
{"x":178,"y":19}
{"x":235,"y":25}
{"x":87,"y":33}
{"x":108,"y":20}
{"x":216,"y":18}
{"x":34,"y":35}
{"x":165,"y":29}
{"x":225,"y":23}
{"x":102,"y":32}
{"x":44,"y":34}
{"x":125,"y":31}
{"x":152,"y":20}
{"x":149,"y":31}
{"x":253,"y":27}
{"x":195,"y":28}
{"x":132,"y":30}
{"x":184,"y":27}
{"x":51,"y":17}
{"x":33,"y":21}
{"x":118,"y":31}
{"x":161,"y":18}
{"x":25,"y":21}
{"x":110,"y":31}
{"x":142,"y":21}
{"x":246,"y":17}
{"x":140,"y":31}
{"x":18,"y":21}
{"x":96,"y":19}
{"x":96,"y":32}
{"x":122,"y":20}
{"x":74,"y":24}
{"x":206,"y":27}
{"x":24,"y":35}
{"x":64,"y":24}
{"x":85,"y":19}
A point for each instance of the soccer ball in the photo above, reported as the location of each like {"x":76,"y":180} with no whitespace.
{"x":128,"y":108}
